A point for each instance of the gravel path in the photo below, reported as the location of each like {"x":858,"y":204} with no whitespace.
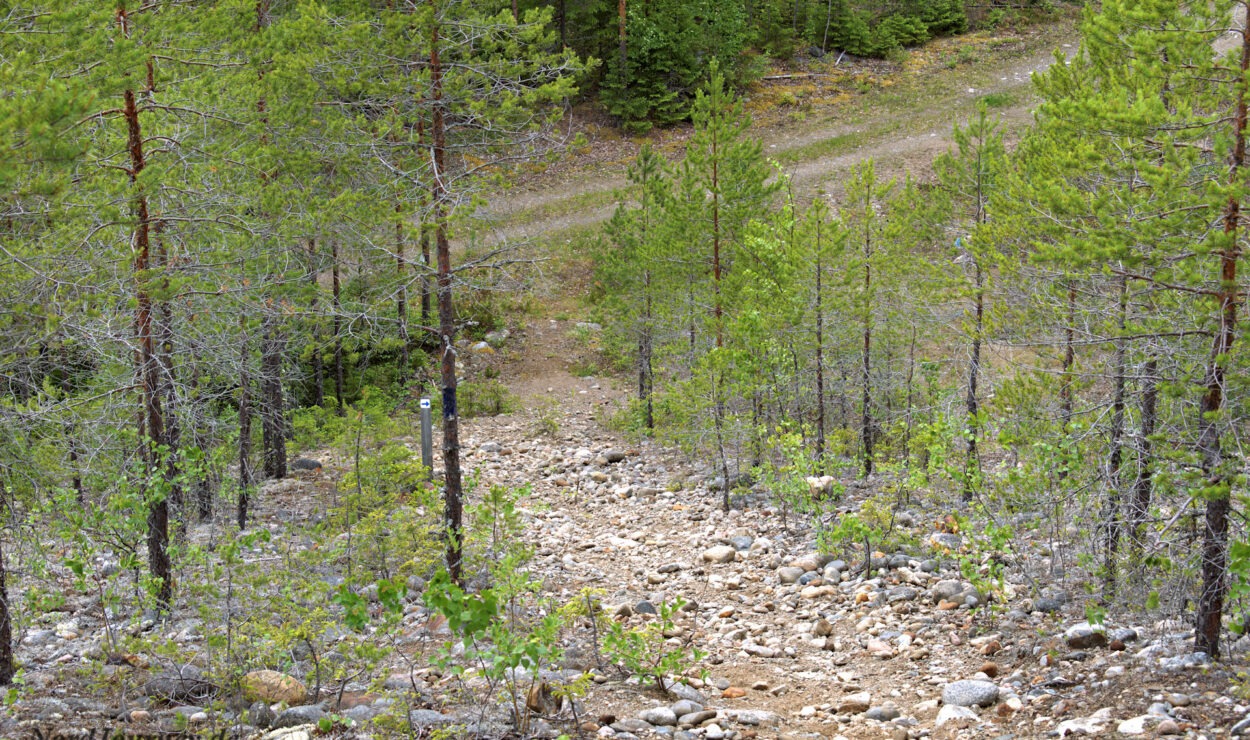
{"x":801,"y":644}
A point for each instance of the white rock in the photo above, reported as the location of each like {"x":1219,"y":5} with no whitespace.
{"x":855,"y":703}
{"x":958,"y":717}
{"x":1087,"y":726}
{"x":1141,"y":725}
{"x":290,"y":733}
{"x":759,"y":650}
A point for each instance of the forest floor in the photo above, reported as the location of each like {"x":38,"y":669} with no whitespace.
{"x":795,"y":643}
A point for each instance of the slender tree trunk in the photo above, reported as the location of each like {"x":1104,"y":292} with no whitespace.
{"x":6,"y":625}
{"x":820,"y":359}
{"x":844,"y":389}
{"x":206,"y":477}
{"x":717,"y":315}
{"x":690,"y":327}
{"x":824,"y":44}
{"x":972,"y":463}
{"x":318,"y":367}
{"x":1115,"y":460}
{"x":71,"y":438}
{"x":151,"y":418}
{"x":798,"y":410}
{"x":1216,"y":475}
{"x":910,"y":404}
{"x":719,"y":424}
{"x":1214,"y":469}
{"x":247,"y":479}
{"x":646,"y":372}
{"x":1143,"y":483}
{"x":338,"y":327}
{"x":426,"y":264}
{"x":757,"y":422}
{"x":562,"y":22}
{"x":622,"y":56}
{"x":273,"y":405}
{"x":427,"y":295}
{"x":173,"y":427}
{"x":453,"y":509}
{"x":717,"y":309}
{"x":1069,"y":358}
{"x":163,"y":328}
{"x":401,"y":302}
{"x":889,"y":373}
{"x":866,"y":431}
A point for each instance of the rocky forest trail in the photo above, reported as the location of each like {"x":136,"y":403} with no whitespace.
{"x":798,"y":643}
{"x":801,"y":644}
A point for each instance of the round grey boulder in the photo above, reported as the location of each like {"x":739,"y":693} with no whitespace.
{"x":1085,"y":635}
{"x":883,"y":713}
{"x":659,"y":716}
{"x":789,"y":574}
{"x":295,"y":716}
{"x":970,"y":693}
{"x":421,"y":718}
{"x":946,"y":590}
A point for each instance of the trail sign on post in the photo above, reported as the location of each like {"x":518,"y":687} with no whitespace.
{"x":427,"y":441}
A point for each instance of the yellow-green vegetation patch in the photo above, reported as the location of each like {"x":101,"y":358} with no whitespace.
{"x":999,"y":99}
{"x":587,"y":200}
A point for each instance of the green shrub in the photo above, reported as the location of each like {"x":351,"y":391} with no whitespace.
{"x":486,"y":397}
{"x":652,"y":651}
{"x":390,"y":507}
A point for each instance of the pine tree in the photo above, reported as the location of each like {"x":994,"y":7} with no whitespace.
{"x":865,"y":201}
{"x":824,"y":240}
{"x":1140,"y":151}
{"x":726,"y":183}
{"x":488,"y":100}
{"x":968,"y":178}
{"x":636,"y":266}
{"x":31,"y":171}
